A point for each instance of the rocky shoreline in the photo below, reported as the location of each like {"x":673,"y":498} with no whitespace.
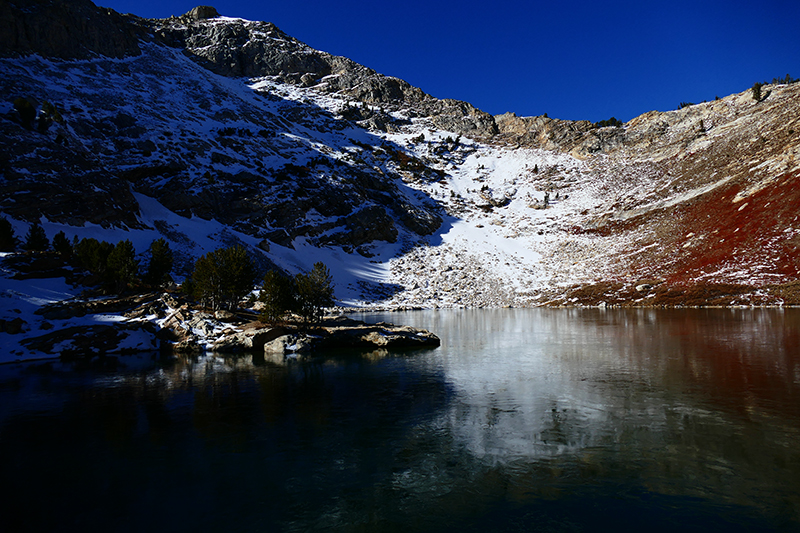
{"x":68,"y":319}
{"x":165,"y":323}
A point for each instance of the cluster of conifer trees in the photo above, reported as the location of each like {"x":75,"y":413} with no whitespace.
{"x":306,"y":294}
{"x":220,"y":279}
{"x":115,"y":266}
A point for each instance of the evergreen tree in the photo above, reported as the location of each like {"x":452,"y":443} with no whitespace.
{"x":36,"y":239}
{"x":187,"y":288}
{"x":314,"y":293}
{"x":223,"y":277}
{"x":62,"y":246}
{"x":206,"y":285}
{"x":160,"y":264}
{"x":123,"y":267}
{"x":92,"y":255}
{"x":239,"y":275}
{"x":278,"y":294}
{"x":757,"y":91}
{"x":8,"y":242}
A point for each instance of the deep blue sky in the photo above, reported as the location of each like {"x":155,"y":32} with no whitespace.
{"x":572,"y":60}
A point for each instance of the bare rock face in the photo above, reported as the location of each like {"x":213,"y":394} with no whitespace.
{"x":546,"y":133}
{"x":253,"y":340}
{"x":253,"y":49}
{"x":13,"y":326}
{"x":74,"y":29}
{"x":202,"y":12}
{"x":288,"y":344}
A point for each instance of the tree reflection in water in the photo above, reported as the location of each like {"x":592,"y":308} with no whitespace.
{"x":555,"y":420}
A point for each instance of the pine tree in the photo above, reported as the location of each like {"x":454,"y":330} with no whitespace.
{"x":27,"y":113}
{"x":62,"y":246}
{"x":314,"y":293}
{"x":36,"y":239}
{"x":123,"y":267}
{"x":757,"y":91}
{"x":160,"y":264}
{"x":206,"y":285}
{"x":223,"y":277}
{"x":92,"y":255}
{"x":239,"y":275}
{"x":8,"y":242}
{"x":279,"y":295}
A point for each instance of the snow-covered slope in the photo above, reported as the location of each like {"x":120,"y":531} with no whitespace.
{"x":227,"y":131}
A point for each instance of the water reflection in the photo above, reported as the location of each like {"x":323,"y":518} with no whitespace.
{"x":555,"y":420}
{"x":700,"y":403}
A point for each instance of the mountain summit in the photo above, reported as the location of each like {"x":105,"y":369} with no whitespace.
{"x":209,"y":130}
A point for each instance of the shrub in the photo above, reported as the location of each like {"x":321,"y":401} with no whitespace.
{"x":223,"y":277}
{"x":279,"y":296}
{"x":36,"y":239}
{"x":47,"y":116}
{"x":613,"y":121}
{"x":160,"y":264}
{"x":314,"y":293}
{"x":8,"y":241}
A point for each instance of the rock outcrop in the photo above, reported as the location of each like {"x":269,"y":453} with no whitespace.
{"x":343,"y":333}
{"x":241,"y":48}
{"x":67,"y":29}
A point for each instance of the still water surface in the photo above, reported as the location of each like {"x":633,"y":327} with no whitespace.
{"x":523,"y":420}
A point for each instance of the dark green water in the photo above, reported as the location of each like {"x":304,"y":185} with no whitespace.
{"x":524,"y":420}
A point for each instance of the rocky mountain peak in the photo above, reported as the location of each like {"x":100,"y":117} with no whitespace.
{"x":202,"y":13}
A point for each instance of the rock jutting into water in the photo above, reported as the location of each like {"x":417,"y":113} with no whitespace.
{"x":152,"y":322}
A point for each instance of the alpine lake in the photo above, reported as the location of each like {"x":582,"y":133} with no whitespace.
{"x":522,"y":420}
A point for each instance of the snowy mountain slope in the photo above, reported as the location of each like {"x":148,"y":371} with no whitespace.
{"x":221,"y":130}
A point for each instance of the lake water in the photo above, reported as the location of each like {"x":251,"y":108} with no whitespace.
{"x":523,"y":420}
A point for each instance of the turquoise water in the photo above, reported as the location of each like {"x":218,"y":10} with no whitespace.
{"x":523,"y":420}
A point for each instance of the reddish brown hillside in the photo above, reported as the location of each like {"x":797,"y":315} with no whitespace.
{"x":723,"y":239}
{"x":706,"y":212}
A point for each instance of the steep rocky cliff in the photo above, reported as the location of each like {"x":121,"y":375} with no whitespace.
{"x":206,"y":129}
{"x":66,"y":29}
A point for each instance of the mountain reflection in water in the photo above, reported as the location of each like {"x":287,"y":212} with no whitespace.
{"x":523,"y":420}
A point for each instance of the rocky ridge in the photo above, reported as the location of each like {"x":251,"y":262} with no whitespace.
{"x":424,"y":202}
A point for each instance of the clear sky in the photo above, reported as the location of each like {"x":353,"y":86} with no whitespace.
{"x":573,"y":60}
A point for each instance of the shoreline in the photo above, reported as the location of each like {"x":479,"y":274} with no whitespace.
{"x":52,"y":315}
